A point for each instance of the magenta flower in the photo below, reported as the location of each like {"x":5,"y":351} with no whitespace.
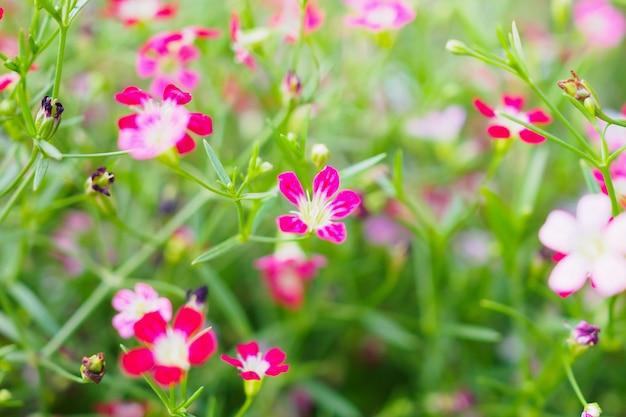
{"x":379,"y":15}
{"x":316,"y":214}
{"x":585,"y":334}
{"x":590,"y":245}
{"x":287,"y":20}
{"x":170,"y":351}
{"x":287,"y":272}
{"x":134,"y":11}
{"x":133,"y":305}
{"x":600,"y":23}
{"x":503,"y":128}
{"x":254,"y":365}
{"x":242,"y":41}
{"x":157,"y":127}
{"x":165,"y":58}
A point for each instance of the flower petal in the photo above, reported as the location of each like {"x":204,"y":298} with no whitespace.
{"x":185,"y":145}
{"x":292,"y":224}
{"x":168,"y":375}
{"x":188,"y":79}
{"x":609,"y":275}
{"x":128,"y":122}
{"x":145,"y":291}
{"x":333,"y":232}
{"x":123,"y":299}
{"x":484,"y":109}
{"x":248,"y":349}
{"x":137,"y":361}
{"x":345,"y":203}
{"x":200,"y":124}
{"x":276,"y":370}
{"x":175,"y":94}
{"x":593,"y":212}
{"x":202,"y":347}
{"x":529,"y":136}
{"x":290,"y":186}
{"x":250,"y":375}
{"x":516,"y":102}
{"x":326,"y":182}
{"x":538,"y":116}
{"x":615,"y":232}
{"x":569,"y":275}
{"x":232,"y":361}
{"x":275,"y":356}
{"x":124,"y":324}
{"x":132,"y":96}
{"x":188,"y":320}
{"x":559,"y":232}
{"x":146,"y":66}
{"x":149,"y":327}
{"x":499,"y":132}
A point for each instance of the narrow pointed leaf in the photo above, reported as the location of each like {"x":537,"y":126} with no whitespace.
{"x":217,"y":250}
{"x":40,"y":172}
{"x":219,"y":168}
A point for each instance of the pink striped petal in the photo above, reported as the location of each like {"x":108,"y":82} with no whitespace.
{"x":145,"y":291}
{"x":250,"y":376}
{"x":188,"y":320}
{"x":538,"y":116}
{"x":290,"y":187}
{"x":132,"y":96}
{"x":326,"y":182}
{"x":175,"y":94}
{"x":232,"y":361}
{"x":516,"y":102}
{"x":483,"y":108}
{"x":292,"y":224}
{"x":202,"y":348}
{"x":123,"y":299}
{"x":248,"y":349}
{"x":128,"y":122}
{"x":529,"y":136}
{"x":149,"y":327}
{"x":200,"y":124}
{"x":185,"y":145}
{"x":345,"y":203}
{"x":166,"y":11}
{"x":334,"y":232}
{"x":137,"y":361}
{"x":168,"y":375}
{"x":499,"y":132}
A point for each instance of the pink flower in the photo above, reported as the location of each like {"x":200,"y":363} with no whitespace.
{"x":379,"y":15}
{"x":1,"y":13}
{"x":165,"y":57}
{"x":617,"y":171}
{"x":241,"y":41}
{"x":170,"y":351}
{"x":157,"y":127}
{"x":288,"y":19}
{"x":615,"y":135}
{"x":317,"y":213}
{"x":254,"y":365}
{"x":132,"y":306}
{"x":600,"y":23}
{"x":134,"y":11}
{"x":287,"y":272}
{"x":438,"y":126}
{"x":122,"y":409}
{"x":591,"y":244}
{"x":503,"y":128}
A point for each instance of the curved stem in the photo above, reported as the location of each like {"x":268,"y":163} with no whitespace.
{"x":572,"y":380}
{"x":267,"y":239}
{"x":245,"y":406}
{"x":610,"y":189}
{"x":31,"y":161}
{"x":94,"y":155}
{"x":7,"y":208}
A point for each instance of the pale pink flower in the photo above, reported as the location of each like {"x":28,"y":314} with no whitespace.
{"x":122,"y":409}
{"x":287,"y":273}
{"x":379,"y":15}
{"x":242,"y":41}
{"x":134,"y":11}
{"x":133,"y":305}
{"x":617,"y":171}
{"x":600,"y":23}
{"x":287,"y":20}
{"x":316,"y":213}
{"x":438,"y":126}
{"x":591,"y":245}
{"x":165,"y":58}
{"x":254,"y":365}
{"x":157,"y":127}
{"x":615,"y":135}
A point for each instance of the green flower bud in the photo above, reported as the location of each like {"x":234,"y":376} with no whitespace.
{"x":320,"y":155}
{"x":457,"y":47}
{"x":252,"y":386}
{"x":93,"y":368}
{"x":48,"y":118}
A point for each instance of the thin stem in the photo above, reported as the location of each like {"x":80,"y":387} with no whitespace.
{"x":198,"y":181}
{"x":94,"y":155}
{"x":572,"y":380}
{"x":610,"y":189}
{"x":267,"y":239}
{"x":31,"y":161}
{"x":59,"y":66}
{"x":7,"y":208}
{"x":243,"y":230}
{"x":245,"y":406}
{"x":46,"y":363}
{"x":23,"y":100}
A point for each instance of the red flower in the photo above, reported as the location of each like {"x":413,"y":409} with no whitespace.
{"x":503,"y":128}
{"x":253,"y":365}
{"x":170,"y":351}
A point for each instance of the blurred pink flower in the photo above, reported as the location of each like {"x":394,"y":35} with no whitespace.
{"x":382,"y":230}
{"x":617,"y":171}
{"x":122,"y":409}
{"x":133,"y":305}
{"x":438,"y":126}
{"x":503,"y":128}
{"x":241,"y":41}
{"x":287,"y":20}
{"x":254,"y":365}
{"x":600,"y":23}
{"x":287,"y":272}
{"x":593,"y":246}
{"x":66,"y":238}
{"x":379,"y":15}
{"x":165,"y":58}
{"x":7,"y":79}
{"x":615,"y":135}
{"x":316,"y":213}
{"x":157,"y":127}
{"x":134,"y":11}
{"x":1,"y":13}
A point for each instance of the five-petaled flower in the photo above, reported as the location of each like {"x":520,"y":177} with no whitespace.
{"x":379,"y":15}
{"x":503,"y":128}
{"x":132,"y":12}
{"x":592,"y":245}
{"x":316,"y":214}
{"x":133,"y":305}
{"x":170,"y":351}
{"x":287,"y":20}
{"x":254,"y":365}
{"x":165,"y":58}
{"x":157,"y":127}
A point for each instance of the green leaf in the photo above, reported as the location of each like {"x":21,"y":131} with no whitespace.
{"x":517,"y":47}
{"x":217,"y":250}
{"x":500,"y":221}
{"x":7,"y":328}
{"x":219,"y":168}
{"x":397,"y":174}
{"x":260,"y":214}
{"x":40,"y":172}
{"x":50,"y":150}
{"x":259,"y":196}
{"x":330,"y":400}
{"x":361,"y":166}
{"x":77,"y":8}
{"x":52,"y":11}
{"x":533,"y":179}
{"x":32,"y":45}
{"x":472,"y":332}
{"x":35,"y":308}
{"x":389,"y":330}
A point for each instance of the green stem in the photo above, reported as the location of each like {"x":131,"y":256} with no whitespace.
{"x":46,"y":363}
{"x":611,"y":316}
{"x":22,"y":98}
{"x":198,"y":181}
{"x":243,"y":230}
{"x":267,"y":239}
{"x":7,"y":208}
{"x":245,"y":406}
{"x":94,"y":155}
{"x":31,"y":161}
{"x":572,"y":380}
{"x":610,"y":189}
{"x":59,"y":66}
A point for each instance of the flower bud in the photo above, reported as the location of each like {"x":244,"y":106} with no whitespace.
{"x":48,"y":118}
{"x":457,"y":47}
{"x":100,"y":181}
{"x":265,"y":167}
{"x":291,"y":87}
{"x":93,"y":368}
{"x":584,"y":334}
{"x":591,"y":410}
{"x":197,"y":298}
{"x":320,"y":155}
{"x":582,"y":91}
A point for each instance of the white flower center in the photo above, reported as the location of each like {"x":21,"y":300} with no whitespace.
{"x":255,"y":364}
{"x":513,"y":127}
{"x":314,"y":212}
{"x":591,"y":246}
{"x":382,"y":16}
{"x":289,"y":282}
{"x":171,"y":349}
{"x":162,"y":124}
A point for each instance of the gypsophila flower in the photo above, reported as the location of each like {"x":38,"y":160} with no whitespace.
{"x":132,"y":12}
{"x":169,"y":352}
{"x":242,"y":41}
{"x":157,"y":127}
{"x":316,"y":213}
{"x":600,"y":23}
{"x":287,"y":20}
{"x":133,"y":305}
{"x":591,"y":245}
{"x":379,"y":15}
{"x":254,"y":365}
